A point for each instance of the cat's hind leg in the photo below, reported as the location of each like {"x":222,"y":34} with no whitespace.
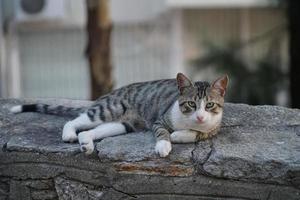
{"x":83,"y":121}
{"x":86,"y":138}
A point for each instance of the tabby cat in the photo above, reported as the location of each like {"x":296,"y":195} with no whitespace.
{"x":177,"y":111}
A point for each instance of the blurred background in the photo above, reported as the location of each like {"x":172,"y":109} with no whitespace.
{"x":82,"y":49}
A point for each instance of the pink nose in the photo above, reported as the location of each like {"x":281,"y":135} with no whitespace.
{"x":200,"y":119}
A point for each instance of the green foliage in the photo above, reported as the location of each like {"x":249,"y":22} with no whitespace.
{"x":255,"y":84}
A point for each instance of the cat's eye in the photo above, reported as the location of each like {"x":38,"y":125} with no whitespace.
{"x":191,"y":104}
{"x":210,"y":105}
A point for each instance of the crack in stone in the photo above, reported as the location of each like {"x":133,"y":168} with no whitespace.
{"x":54,"y":165}
{"x":192,"y":152}
{"x":120,"y":191}
{"x":269,"y":195}
{"x":212,"y":149}
{"x":193,"y":195}
{"x":4,"y":147}
{"x":192,"y":157}
{"x":198,"y":166}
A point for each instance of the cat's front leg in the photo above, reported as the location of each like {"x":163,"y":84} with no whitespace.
{"x":184,"y":136}
{"x":163,"y":143}
{"x":86,"y":141}
{"x":86,"y":138}
{"x":163,"y":148}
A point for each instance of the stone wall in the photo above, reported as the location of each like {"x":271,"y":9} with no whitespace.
{"x":255,"y":156}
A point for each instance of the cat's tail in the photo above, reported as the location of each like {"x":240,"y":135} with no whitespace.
{"x":48,"y":109}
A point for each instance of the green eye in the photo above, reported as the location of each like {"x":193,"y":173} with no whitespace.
{"x":191,"y":104}
{"x":210,"y":105}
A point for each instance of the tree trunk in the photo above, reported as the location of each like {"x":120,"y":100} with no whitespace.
{"x":99,"y":28}
{"x":294,"y":31}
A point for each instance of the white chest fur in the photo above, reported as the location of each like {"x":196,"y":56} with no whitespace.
{"x":181,"y":121}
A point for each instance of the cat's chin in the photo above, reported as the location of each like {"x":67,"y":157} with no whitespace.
{"x":204,"y":130}
{"x":204,"y":127}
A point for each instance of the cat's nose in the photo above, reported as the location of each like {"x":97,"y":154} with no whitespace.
{"x":200,"y":119}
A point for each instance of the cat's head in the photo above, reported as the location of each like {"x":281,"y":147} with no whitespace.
{"x":202,"y":103}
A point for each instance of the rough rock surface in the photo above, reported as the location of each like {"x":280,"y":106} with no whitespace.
{"x":256,"y":155}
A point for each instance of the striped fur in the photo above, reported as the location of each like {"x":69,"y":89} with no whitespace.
{"x":48,"y":109}
{"x":163,"y":106}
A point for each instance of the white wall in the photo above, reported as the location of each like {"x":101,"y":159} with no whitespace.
{"x":135,"y":11}
{"x":147,"y":51}
{"x":53,"y":64}
{"x":2,"y":57}
{"x":45,"y":59}
{"x":217,"y":3}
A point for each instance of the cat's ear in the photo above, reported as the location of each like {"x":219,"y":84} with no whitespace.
{"x":183,"y":82}
{"x":221,"y":84}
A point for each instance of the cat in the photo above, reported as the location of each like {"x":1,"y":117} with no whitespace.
{"x":176,"y":110}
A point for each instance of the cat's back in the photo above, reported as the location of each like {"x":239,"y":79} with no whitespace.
{"x":142,"y":90}
{"x":155,"y":83}
{"x":151,"y":95}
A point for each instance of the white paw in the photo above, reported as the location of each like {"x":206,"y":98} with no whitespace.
{"x":69,"y":133}
{"x":16,"y":109}
{"x":163,"y":148}
{"x":86,"y":143}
